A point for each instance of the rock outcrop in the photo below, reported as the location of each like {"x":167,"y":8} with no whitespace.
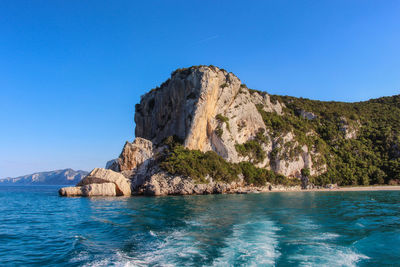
{"x":90,"y":190}
{"x":132,"y":155}
{"x":100,"y":182}
{"x":208,"y":109}
{"x":349,"y":131}
{"x":162,"y":183}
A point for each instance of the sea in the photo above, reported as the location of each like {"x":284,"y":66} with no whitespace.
{"x":39,"y":228}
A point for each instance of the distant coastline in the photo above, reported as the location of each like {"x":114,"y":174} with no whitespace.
{"x":56,"y":177}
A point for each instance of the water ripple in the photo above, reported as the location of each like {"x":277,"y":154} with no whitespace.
{"x":277,"y":229}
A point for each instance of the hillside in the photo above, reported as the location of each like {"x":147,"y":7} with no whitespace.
{"x":204,"y":131}
{"x":359,"y":142}
{"x":59,"y":177}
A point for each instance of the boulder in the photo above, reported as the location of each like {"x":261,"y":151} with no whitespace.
{"x":90,"y":190}
{"x":70,"y":191}
{"x":100,"y":176}
{"x":331,"y":186}
{"x":307,"y":115}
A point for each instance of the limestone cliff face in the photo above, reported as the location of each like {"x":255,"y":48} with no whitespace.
{"x":187,"y":105}
{"x":210,"y":109}
{"x":132,"y":155}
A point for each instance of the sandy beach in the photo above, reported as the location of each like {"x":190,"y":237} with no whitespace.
{"x":359,"y":188}
{"x":249,"y":190}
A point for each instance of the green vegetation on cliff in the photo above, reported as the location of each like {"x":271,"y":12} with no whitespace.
{"x":349,"y":143}
{"x":222,"y":119}
{"x":197,"y":165}
{"x":253,"y":148}
{"x":358,"y":142}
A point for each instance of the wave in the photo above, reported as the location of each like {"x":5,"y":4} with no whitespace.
{"x":319,"y":248}
{"x":322,"y":254}
{"x":177,"y":247}
{"x":117,"y":259}
{"x":249,"y":244}
{"x":252,"y":243}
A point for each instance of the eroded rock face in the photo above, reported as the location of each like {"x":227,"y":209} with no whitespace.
{"x":265,"y":100}
{"x":132,"y":155}
{"x":307,"y":115}
{"x":161,"y":184}
{"x":100,"y":182}
{"x":285,"y":163}
{"x":99,"y":176}
{"x":70,"y":191}
{"x":187,"y":105}
{"x":90,"y":190}
{"x":208,"y":109}
{"x":350,"y":131}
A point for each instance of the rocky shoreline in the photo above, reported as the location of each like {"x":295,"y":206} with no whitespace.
{"x":103,"y":182}
{"x":111,"y":184}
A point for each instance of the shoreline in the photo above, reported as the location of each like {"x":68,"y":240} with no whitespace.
{"x":222,"y":189}
{"x":347,"y":189}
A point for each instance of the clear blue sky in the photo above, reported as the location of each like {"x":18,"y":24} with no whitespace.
{"x":72,"y":71}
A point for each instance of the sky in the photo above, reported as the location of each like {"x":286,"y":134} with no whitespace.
{"x":72,"y":71}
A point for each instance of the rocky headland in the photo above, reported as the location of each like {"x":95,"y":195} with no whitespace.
{"x":203,"y":132}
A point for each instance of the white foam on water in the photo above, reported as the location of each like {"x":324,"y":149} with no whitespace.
{"x":254,"y":243}
{"x":306,"y":224}
{"x":117,"y":259}
{"x":166,"y":250}
{"x":319,"y":249}
{"x":169,"y":251}
{"x":251,"y":244}
{"x":321,"y":254}
{"x":152,"y":233}
{"x":360,"y":225}
{"x":326,"y":236}
{"x":82,"y":256}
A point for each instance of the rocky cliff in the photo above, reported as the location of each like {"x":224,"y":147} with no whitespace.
{"x":203,"y":131}
{"x":210,"y":109}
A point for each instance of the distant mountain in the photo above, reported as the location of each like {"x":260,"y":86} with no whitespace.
{"x":59,"y":177}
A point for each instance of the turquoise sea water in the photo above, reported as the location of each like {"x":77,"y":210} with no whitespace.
{"x":273,"y":229}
